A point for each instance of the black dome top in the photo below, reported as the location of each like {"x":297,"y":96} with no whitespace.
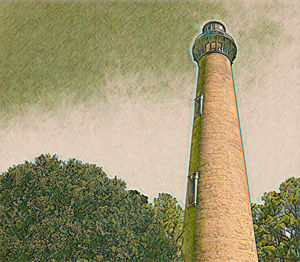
{"x":213,"y":25}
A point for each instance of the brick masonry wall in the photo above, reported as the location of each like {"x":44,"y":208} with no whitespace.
{"x":224,"y":228}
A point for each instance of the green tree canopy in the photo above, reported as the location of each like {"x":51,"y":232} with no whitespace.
{"x":276,"y":223}
{"x":171,"y":217}
{"x":53,"y":210}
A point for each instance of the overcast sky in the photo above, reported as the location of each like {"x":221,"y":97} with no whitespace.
{"x":141,"y":130}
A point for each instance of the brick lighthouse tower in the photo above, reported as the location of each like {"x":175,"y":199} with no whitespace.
{"x":218,"y":221}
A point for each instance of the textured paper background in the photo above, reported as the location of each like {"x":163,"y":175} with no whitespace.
{"x":112,"y":83}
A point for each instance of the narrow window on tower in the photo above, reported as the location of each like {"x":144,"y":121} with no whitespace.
{"x":207,"y":47}
{"x":199,"y":105}
{"x":193,"y":189}
{"x":213,"y":45}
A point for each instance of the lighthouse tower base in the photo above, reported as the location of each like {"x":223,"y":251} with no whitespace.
{"x":218,"y":227}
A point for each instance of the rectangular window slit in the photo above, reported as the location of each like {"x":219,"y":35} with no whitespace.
{"x":199,"y":105}
{"x":207,"y":47}
{"x":193,"y":188}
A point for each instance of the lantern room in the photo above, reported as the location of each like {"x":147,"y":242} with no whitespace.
{"x":214,"y":39}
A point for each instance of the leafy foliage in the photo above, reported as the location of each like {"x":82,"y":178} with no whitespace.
{"x":52,"y":210}
{"x":276,"y":223}
{"x":171,"y":216}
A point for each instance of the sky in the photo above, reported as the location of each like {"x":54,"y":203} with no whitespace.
{"x":113,"y":83}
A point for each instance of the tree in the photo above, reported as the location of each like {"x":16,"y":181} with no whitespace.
{"x":52,"y":210}
{"x":276,"y":223}
{"x":171,"y":217}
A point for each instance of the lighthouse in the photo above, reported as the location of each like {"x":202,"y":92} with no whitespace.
{"x":218,"y":223}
